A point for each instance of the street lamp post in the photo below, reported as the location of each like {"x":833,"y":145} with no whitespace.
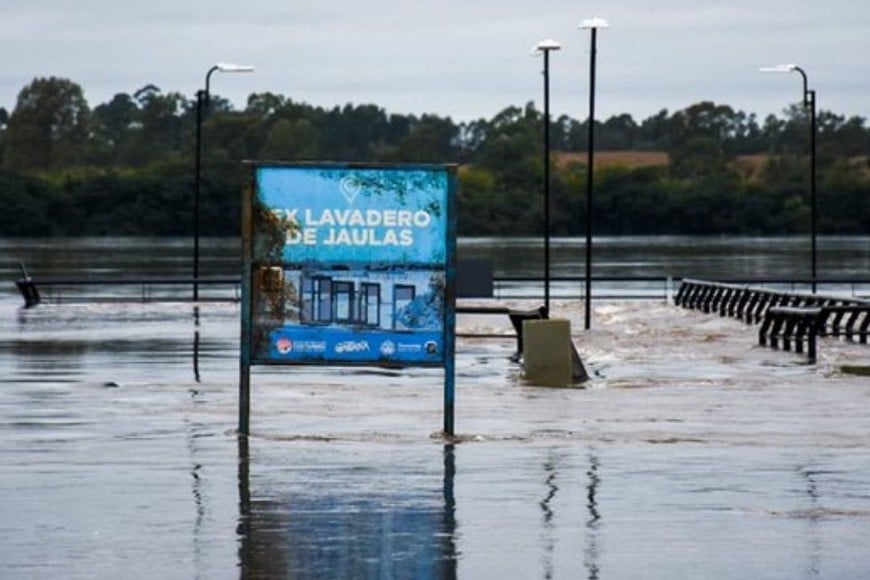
{"x":202,"y":97}
{"x":544,"y":47}
{"x":809,"y":103}
{"x":592,"y":24}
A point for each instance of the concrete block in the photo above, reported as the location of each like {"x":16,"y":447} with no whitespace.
{"x":548,"y":353}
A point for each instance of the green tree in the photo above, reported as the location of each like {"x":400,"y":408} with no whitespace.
{"x":113,"y":124}
{"x":476,"y":201}
{"x":617,"y":132}
{"x":631,"y":201}
{"x":354,"y":133}
{"x":163,"y":126}
{"x":291,"y":140}
{"x":4,"y":119}
{"x":126,"y":168}
{"x":29,"y":206}
{"x":428,"y":139}
{"x":844,"y":197}
{"x":49,"y":127}
{"x":264,"y":104}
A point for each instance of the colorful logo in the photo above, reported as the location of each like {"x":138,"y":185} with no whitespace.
{"x":284,"y":345}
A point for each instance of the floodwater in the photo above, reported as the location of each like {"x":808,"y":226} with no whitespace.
{"x":692,"y":453}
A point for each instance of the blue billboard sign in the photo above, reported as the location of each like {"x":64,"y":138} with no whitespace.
{"x":349,"y":264}
{"x":344,"y":215}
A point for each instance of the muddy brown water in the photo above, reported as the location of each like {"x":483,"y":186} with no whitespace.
{"x":692,"y":453}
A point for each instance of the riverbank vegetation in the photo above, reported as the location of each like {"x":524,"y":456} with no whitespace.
{"x":125,"y":167}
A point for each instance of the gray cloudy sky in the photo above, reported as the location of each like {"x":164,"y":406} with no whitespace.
{"x":466,"y":59}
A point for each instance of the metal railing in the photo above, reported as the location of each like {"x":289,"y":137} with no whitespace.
{"x":787,"y":318}
{"x":75,"y":290}
{"x":572,"y":287}
{"x":55,"y":289}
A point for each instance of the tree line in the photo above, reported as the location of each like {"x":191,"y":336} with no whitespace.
{"x":125,"y":167}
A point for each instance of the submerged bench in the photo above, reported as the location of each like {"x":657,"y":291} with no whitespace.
{"x":516,"y":317}
{"x":474,"y":279}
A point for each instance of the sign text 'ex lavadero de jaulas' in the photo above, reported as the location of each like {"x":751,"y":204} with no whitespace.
{"x":348,"y":264}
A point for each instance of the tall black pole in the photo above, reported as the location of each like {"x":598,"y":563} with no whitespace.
{"x":811,"y":97}
{"x":196,"y":180}
{"x":810,"y":103}
{"x":201,"y":108}
{"x":547,"y":182}
{"x":590,"y":164}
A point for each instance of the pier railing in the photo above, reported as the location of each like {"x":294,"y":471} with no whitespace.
{"x":659,"y":287}
{"x":77,"y":290}
{"x":788,"y":320}
{"x":71,"y":289}
{"x":572,"y":287}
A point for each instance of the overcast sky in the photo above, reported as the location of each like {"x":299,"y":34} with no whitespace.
{"x":464,"y":59}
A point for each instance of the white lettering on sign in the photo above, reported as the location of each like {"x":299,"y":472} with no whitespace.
{"x":353,"y":227}
{"x":367,"y":237}
{"x":306,"y":236}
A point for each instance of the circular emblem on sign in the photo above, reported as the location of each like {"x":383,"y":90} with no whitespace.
{"x":350,"y":187}
{"x":388,"y":348}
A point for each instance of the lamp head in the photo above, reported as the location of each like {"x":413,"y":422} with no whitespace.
{"x":594,"y":22}
{"x":779,"y":68}
{"x":545,"y":45}
{"x":227,"y":67}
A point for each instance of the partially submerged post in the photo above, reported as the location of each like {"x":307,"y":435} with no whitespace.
{"x":27,"y":288}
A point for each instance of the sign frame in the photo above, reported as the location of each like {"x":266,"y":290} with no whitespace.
{"x":405,"y":243}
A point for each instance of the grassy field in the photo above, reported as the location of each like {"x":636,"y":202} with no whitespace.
{"x":614,"y":158}
{"x":748,"y":165}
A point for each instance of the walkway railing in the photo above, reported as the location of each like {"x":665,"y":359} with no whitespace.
{"x":77,"y":290}
{"x":788,"y":319}
{"x":658,"y":287}
{"x":67,"y":289}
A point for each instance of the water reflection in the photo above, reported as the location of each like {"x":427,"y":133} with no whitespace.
{"x":547,"y":509}
{"x":812,"y":488}
{"x":243,"y":529}
{"x":322,"y":532}
{"x":371,"y":521}
{"x":450,"y":552}
{"x":550,"y":505}
{"x":196,"y":343}
{"x":195,"y":432}
{"x":590,"y":553}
